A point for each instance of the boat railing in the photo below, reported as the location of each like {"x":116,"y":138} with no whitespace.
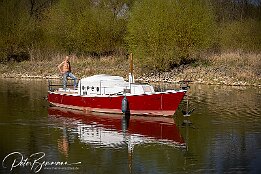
{"x":99,"y":88}
{"x":52,"y":87}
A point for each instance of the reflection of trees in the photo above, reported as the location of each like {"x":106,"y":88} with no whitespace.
{"x":21,"y":107}
{"x":228,"y":104}
{"x":25,"y":93}
{"x":226,"y":119}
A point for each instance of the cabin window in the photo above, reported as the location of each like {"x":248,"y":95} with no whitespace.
{"x":97,"y":89}
{"x":146,"y":89}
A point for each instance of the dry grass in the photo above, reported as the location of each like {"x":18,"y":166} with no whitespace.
{"x":228,"y":69}
{"x":81,"y":67}
{"x":238,"y":60}
{"x":242,"y":66}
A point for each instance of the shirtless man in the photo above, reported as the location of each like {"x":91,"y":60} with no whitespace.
{"x":65,"y":69}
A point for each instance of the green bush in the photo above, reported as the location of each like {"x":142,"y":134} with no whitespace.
{"x":82,"y":27}
{"x":20,"y":31}
{"x":14,"y":26}
{"x":166,"y":32}
{"x":241,"y":36}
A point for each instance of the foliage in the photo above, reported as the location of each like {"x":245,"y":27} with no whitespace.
{"x":98,"y":31}
{"x":20,"y":28}
{"x":13,"y":27}
{"x":163,"y":33}
{"x":241,"y":36}
{"x":235,"y":10}
{"x":83,"y":27}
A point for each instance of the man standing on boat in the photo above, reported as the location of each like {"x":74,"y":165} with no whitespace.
{"x":65,"y":69}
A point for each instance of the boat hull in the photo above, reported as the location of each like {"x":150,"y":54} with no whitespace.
{"x":158,"y":104}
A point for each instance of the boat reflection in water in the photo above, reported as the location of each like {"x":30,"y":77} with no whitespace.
{"x":110,"y":130}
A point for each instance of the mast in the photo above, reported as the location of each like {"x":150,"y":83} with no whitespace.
{"x":131,"y":76}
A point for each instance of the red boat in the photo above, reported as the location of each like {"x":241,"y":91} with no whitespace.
{"x":115,"y":130}
{"x":107,"y":94}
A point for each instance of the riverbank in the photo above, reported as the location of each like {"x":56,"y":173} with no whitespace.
{"x":226,"y":69}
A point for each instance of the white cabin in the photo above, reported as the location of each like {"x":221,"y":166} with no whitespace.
{"x":111,"y":85}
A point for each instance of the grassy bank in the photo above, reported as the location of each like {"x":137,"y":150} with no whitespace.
{"x":81,"y":67}
{"x":226,"y":69}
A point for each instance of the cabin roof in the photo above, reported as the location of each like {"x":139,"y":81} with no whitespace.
{"x":102,"y":77}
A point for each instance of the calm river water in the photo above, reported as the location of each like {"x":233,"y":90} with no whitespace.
{"x":223,"y":135}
